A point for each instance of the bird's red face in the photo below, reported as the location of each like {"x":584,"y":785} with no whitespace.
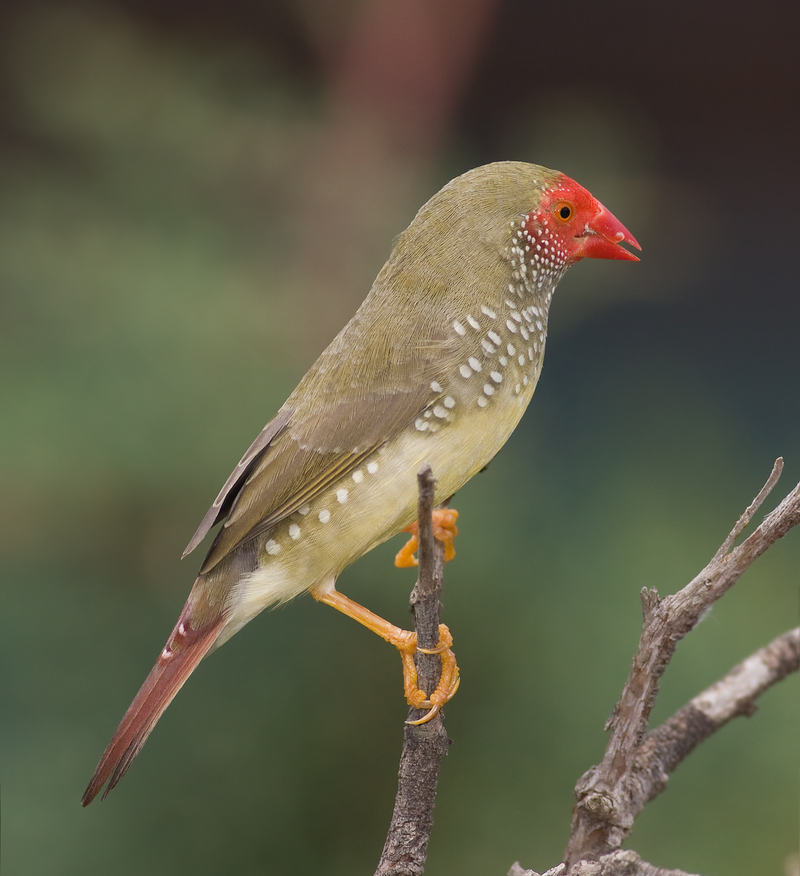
{"x":571,"y":224}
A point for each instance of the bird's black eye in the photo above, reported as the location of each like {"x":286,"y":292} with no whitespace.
{"x":564,"y":211}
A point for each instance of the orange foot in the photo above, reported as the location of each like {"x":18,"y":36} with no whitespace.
{"x":406,"y":643}
{"x":448,"y":683}
{"x":444,"y":528}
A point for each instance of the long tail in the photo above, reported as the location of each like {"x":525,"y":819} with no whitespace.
{"x":185,"y":648}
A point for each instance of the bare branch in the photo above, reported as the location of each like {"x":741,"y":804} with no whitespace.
{"x":618,"y":863}
{"x":735,"y":694}
{"x":611,"y":795}
{"x":424,"y":745}
{"x":737,"y":530}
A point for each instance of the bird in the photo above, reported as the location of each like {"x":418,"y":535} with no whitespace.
{"x":437,"y":366}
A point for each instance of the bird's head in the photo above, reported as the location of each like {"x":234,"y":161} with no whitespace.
{"x":570,"y":224}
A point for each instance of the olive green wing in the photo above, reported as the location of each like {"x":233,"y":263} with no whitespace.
{"x":355,"y":398}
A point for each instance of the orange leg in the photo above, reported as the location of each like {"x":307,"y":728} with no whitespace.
{"x":406,"y":643}
{"x":444,"y":528}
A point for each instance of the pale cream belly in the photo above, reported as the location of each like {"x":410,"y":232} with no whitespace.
{"x":364,"y":508}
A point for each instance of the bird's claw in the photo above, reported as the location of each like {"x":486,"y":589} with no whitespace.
{"x":448,"y":683}
{"x":444,"y":529}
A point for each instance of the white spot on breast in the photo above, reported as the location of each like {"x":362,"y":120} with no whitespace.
{"x":482,"y":402}
{"x":473,"y":322}
{"x":488,"y":311}
{"x":372,"y":467}
{"x":272,"y":547}
{"x":436,"y":386}
{"x":521,"y":359}
{"x":487,"y":346}
{"x":503,"y":361}
{"x":420,"y":424}
{"x":439,"y":411}
{"x":459,"y":328}
{"x":474,"y":364}
{"x":341,"y":495}
{"x":494,"y":337}
{"x":294,"y":532}
{"x":465,"y":370}
{"x":449,"y":402}
{"x":324,"y":516}
{"x":303,"y":510}
{"x":358,"y":476}
{"x":496,"y":376}
{"x":488,"y":388}
{"x":524,"y":332}
{"x":512,"y":326}
{"x":511,"y":349}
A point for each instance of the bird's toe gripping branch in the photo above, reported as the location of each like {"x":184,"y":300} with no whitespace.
{"x":406,"y":643}
{"x":444,"y":529}
{"x":448,"y":683}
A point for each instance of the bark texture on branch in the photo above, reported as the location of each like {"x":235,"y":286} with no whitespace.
{"x":635,"y":767}
{"x":619,"y":863}
{"x":424,"y":745}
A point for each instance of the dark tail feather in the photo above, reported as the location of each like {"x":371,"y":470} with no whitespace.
{"x":186,"y":647}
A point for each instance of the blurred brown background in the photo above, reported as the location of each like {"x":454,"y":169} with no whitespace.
{"x":195,"y":198}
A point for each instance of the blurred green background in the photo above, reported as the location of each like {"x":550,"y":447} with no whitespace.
{"x":195,"y":198}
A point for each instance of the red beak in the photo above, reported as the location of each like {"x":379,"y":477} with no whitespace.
{"x":603,"y":237}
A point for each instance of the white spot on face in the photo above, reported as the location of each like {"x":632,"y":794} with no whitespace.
{"x":436,"y":387}
{"x":465,"y":370}
{"x":474,"y":364}
{"x":294,"y":532}
{"x":358,"y":476}
{"x":489,"y":312}
{"x":341,"y":496}
{"x":324,"y":516}
{"x":482,"y":401}
{"x":449,"y":402}
{"x":272,"y":547}
{"x":372,"y":467}
{"x":459,"y":328}
{"x":473,"y":322}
